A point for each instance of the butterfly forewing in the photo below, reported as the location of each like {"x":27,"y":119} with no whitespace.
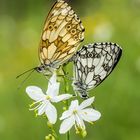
{"x":62,"y":34}
{"x":93,"y":63}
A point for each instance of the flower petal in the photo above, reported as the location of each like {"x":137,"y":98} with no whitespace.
{"x":90,"y":114}
{"x":74,"y":105}
{"x":53,"y":78}
{"x":51,"y":113}
{"x":66,"y":125}
{"x":66,"y":114}
{"x":61,"y":98}
{"x":53,"y":90}
{"x":42,"y":108}
{"x":86,"y":103}
{"x":79,"y":121}
{"x":53,"y":86}
{"x":35,"y":93}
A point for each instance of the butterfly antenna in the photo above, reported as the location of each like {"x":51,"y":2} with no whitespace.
{"x":32,"y":70}
{"x":25,"y":72}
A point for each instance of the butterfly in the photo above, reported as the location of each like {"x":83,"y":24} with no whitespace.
{"x":62,"y":34}
{"x":92,"y":64}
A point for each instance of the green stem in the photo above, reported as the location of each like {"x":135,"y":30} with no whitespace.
{"x":67,"y":102}
{"x":68,"y":135}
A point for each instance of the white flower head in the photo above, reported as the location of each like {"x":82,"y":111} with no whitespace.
{"x":77,"y":114}
{"x":43,"y":101}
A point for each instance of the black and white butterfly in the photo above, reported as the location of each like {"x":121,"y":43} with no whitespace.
{"x":92,"y":64}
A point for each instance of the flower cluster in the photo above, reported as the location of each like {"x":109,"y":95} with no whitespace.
{"x":43,"y":101}
{"x":75,"y":115}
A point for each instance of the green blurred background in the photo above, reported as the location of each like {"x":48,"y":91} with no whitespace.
{"x":117,"y":98}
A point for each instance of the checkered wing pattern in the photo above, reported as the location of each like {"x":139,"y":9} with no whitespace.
{"x":93,"y":63}
{"x":62,"y":34}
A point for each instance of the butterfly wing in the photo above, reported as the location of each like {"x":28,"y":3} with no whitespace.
{"x":62,"y":34}
{"x":94,"y":62}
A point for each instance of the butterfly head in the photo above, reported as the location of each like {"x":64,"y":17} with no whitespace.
{"x":83,"y":94}
{"x":44,"y":69}
{"x":40,"y":68}
{"x":81,"y":89}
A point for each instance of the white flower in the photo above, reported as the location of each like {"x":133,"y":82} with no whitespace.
{"x":77,"y":114}
{"x":43,"y":101}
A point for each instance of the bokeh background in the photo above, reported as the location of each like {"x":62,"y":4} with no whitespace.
{"x":117,"y":98}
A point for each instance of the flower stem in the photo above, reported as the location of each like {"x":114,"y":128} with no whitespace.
{"x":68,"y":135}
{"x":67,"y":102}
{"x":52,"y":129}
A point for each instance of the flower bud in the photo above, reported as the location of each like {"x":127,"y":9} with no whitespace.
{"x":84,"y":133}
{"x":49,"y":124}
{"x":64,"y":108}
{"x":50,"y":137}
{"x":64,"y":102}
{"x":81,"y":131}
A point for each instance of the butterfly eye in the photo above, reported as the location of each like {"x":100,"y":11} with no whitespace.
{"x":39,"y":69}
{"x":84,"y":95}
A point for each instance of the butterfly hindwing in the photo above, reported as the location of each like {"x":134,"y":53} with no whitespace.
{"x":94,"y":62}
{"x":62,"y":34}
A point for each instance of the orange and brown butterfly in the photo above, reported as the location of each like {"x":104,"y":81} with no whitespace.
{"x":62,"y":34}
